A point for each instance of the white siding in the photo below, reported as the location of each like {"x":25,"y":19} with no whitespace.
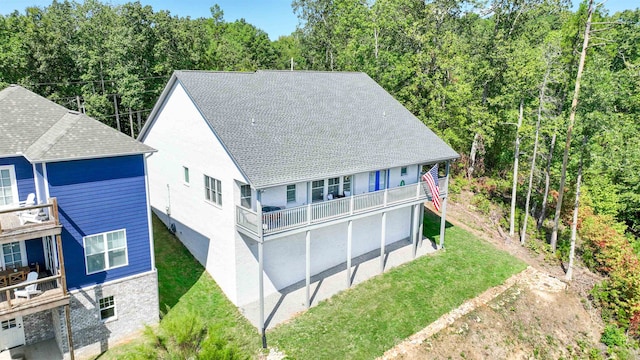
{"x":183,"y":138}
{"x":410,"y":178}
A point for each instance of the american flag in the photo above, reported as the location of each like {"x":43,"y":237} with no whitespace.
{"x":431,"y":178}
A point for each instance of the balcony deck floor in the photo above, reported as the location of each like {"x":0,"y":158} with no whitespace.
{"x":12,"y":230}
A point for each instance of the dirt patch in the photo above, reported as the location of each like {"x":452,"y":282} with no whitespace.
{"x":535,"y":317}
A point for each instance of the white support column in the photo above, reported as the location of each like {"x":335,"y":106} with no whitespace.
{"x":308,"y":268}
{"x":383,"y":239}
{"x":443,"y":217}
{"x":349,"y":240}
{"x":420,"y":223}
{"x":414,"y":229}
{"x":261,"y":267}
{"x":261,"y":291}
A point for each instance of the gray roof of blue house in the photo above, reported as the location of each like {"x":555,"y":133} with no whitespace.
{"x":41,"y":130}
{"x":282,"y":127}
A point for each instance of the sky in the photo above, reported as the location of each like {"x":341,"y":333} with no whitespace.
{"x":275,"y":17}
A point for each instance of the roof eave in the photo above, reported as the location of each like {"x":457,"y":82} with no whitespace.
{"x":89,"y":157}
{"x":425,"y":162}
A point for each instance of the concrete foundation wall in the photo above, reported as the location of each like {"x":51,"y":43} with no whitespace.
{"x":285,"y":259}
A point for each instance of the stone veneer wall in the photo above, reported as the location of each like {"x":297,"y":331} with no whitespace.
{"x":136,"y":301}
{"x":38,"y":327}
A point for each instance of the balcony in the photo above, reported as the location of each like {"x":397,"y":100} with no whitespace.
{"x":29,"y":222}
{"x":51,"y":295}
{"x":320,"y":212}
{"x":32,"y":224}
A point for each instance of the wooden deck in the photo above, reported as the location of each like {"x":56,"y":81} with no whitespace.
{"x":11,"y":229}
{"x":51,"y":296}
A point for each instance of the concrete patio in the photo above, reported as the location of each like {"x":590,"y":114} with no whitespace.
{"x":45,"y":350}
{"x":290,"y":301}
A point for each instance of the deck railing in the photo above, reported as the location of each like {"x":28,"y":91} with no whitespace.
{"x":9,"y":301}
{"x":291,"y":218}
{"x":17,"y":222}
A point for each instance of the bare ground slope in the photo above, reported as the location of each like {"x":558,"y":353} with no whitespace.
{"x":537,"y":316}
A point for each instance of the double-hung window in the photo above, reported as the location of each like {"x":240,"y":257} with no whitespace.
{"x":11,"y":254}
{"x":186,"y":175}
{"x":291,"y":193}
{"x":317,"y":190}
{"x":105,"y":251}
{"x":245,"y":196}
{"x":8,"y":187}
{"x":213,"y":190}
{"x":334,"y":187}
{"x":107,"y":308}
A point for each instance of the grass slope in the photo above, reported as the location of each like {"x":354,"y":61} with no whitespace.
{"x":186,"y":288}
{"x":367,"y":320}
{"x":360,"y":323}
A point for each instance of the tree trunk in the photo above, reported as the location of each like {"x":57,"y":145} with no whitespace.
{"x":115,"y":106}
{"x":572,"y":117}
{"x":523,"y":234}
{"x":574,"y":223}
{"x":547,"y":178}
{"x":472,"y":155}
{"x":514,"y":188}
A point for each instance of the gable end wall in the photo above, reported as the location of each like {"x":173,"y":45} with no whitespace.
{"x":184,"y":139}
{"x":96,"y":196}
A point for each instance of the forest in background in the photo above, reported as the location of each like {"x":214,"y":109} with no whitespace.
{"x":483,"y":75}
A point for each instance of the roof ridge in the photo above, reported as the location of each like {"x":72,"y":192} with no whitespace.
{"x":310,"y":71}
{"x":8,"y":90}
{"x":50,"y":137}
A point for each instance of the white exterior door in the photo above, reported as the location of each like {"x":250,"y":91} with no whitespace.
{"x":11,"y":333}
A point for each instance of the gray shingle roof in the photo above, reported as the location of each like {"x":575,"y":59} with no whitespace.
{"x":286,"y":126}
{"x":42,"y":130}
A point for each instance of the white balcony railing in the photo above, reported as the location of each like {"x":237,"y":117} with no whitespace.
{"x":291,"y":218}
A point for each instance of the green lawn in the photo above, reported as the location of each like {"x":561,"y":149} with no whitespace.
{"x":360,"y":323}
{"x":370,"y":318}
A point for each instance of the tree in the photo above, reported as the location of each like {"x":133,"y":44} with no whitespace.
{"x":572,"y":116}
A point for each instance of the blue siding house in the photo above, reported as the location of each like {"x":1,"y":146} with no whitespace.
{"x":76,"y":246}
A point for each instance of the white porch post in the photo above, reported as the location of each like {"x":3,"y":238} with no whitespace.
{"x":420,"y":223}
{"x":383,"y":238}
{"x":308,"y":268}
{"x":414,"y":229}
{"x":443,"y":217}
{"x":261,"y":266}
{"x":349,"y":239}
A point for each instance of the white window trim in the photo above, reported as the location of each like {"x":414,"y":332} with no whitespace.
{"x":406,"y":171}
{"x":187,"y":172}
{"x":106,"y":251}
{"x":295,"y":193}
{"x":14,"y":186}
{"x":204,"y":186}
{"x":23,"y":255}
{"x":250,"y":197}
{"x":115,"y":310}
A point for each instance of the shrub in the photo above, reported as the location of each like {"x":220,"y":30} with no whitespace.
{"x":613,"y":336}
{"x":613,"y":255}
{"x":185,"y":338}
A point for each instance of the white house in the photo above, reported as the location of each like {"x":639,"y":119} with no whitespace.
{"x":292,"y":172}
